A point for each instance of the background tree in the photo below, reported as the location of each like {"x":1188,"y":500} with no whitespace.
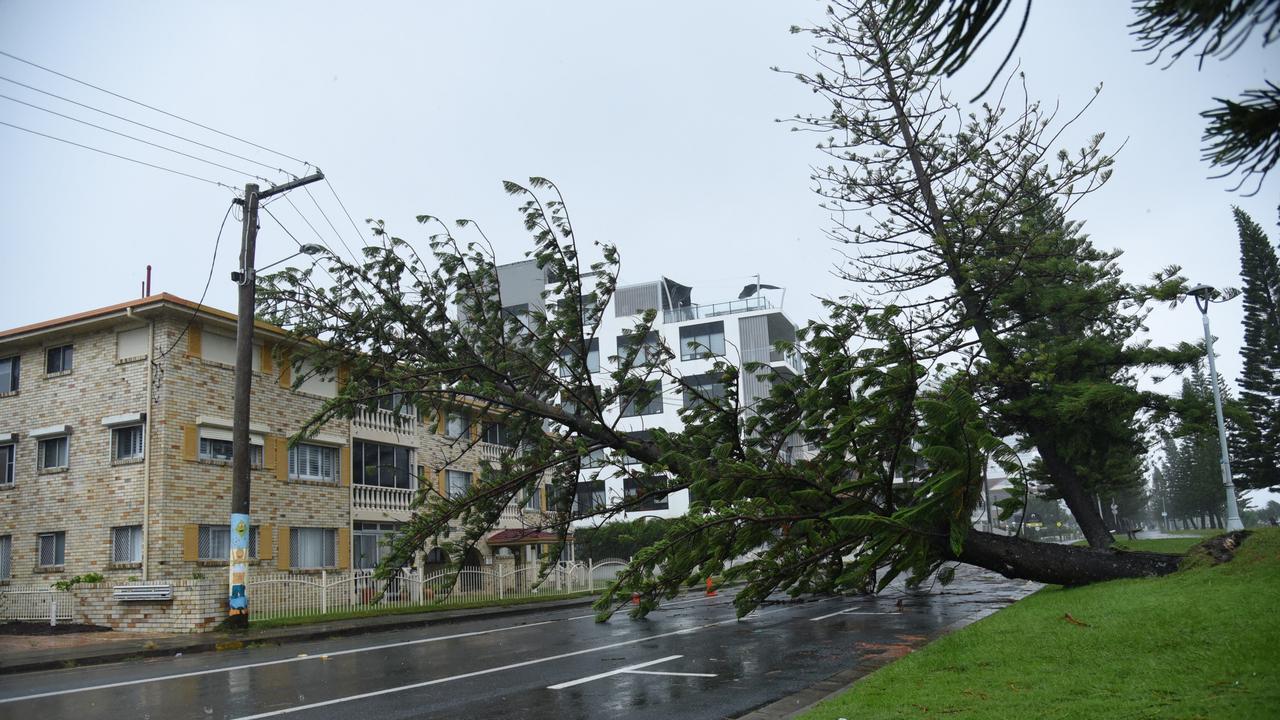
{"x":1241,"y":136}
{"x":1257,"y":457}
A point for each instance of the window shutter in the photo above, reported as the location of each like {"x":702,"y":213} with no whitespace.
{"x":190,"y":542}
{"x":343,"y":376}
{"x":282,"y":547}
{"x":282,"y":458}
{"x":190,"y":441}
{"x":440,"y":483}
{"x":344,"y":548}
{"x":266,"y":539}
{"x":286,"y":370}
{"x":344,"y":466}
{"x":543,"y":490}
{"x":265,"y":357}
{"x":194,"y":344}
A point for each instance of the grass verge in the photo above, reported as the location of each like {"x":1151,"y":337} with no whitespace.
{"x":1201,"y":643}
{"x":410,"y":610}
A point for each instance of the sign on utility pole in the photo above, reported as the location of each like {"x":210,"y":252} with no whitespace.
{"x":238,"y":560}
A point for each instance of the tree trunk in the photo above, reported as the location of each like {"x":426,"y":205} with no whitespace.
{"x":1078,"y":501}
{"x":1059,"y":564}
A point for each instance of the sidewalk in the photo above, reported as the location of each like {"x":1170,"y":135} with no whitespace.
{"x":133,"y":646}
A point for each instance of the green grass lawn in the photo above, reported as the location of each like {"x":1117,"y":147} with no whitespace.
{"x":1202,"y":643}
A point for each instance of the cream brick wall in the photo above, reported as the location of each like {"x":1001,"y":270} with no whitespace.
{"x":93,"y":494}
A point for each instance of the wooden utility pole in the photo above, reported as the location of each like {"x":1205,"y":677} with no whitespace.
{"x":238,"y":560}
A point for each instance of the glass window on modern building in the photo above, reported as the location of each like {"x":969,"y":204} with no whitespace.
{"x":633,"y":487}
{"x":647,"y":402}
{"x":381,"y":465}
{"x":698,"y":389}
{"x":590,"y":496}
{"x":702,"y":340}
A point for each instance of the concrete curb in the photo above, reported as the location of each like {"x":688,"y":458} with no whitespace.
{"x":117,"y":651}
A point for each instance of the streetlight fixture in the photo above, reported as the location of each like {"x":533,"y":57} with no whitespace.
{"x":1203,"y":295}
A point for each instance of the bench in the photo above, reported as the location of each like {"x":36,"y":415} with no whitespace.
{"x":152,"y":591}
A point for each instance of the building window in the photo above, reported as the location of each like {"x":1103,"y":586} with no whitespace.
{"x":633,"y":487}
{"x":57,"y":360}
{"x":217,"y":448}
{"x":457,"y":482}
{"x":52,"y":549}
{"x":369,"y":543}
{"x":132,"y":343}
{"x":698,"y":389}
{"x":215,"y":542}
{"x":534,"y":501}
{"x":381,"y":465}
{"x":6,"y":463}
{"x":702,"y":340}
{"x":312,"y":548}
{"x":593,"y":358}
{"x":456,"y":425}
{"x":590,"y":496}
{"x":498,"y":434}
{"x":9,"y":374}
{"x":53,"y":453}
{"x":647,"y":401}
{"x":126,"y":544}
{"x":649,"y":345}
{"x":313,"y":462}
{"x":126,"y":443}
{"x":6,"y":557}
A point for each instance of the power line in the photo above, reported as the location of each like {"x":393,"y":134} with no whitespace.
{"x":130,"y":137}
{"x":121,"y":157}
{"x":308,"y":222}
{"x":199,"y":305}
{"x":149,"y":127}
{"x":344,"y":208}
{"x":150,"y":107}
{"x":324,"y":215}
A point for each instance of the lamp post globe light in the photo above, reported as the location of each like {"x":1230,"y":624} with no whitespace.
{"x":1203,"y":295}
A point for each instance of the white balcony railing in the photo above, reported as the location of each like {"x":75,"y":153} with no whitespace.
{"x":769,"y":356}
{"x":386,"y":421}
{"x":373,"y":497}
{"x":492,"y":452}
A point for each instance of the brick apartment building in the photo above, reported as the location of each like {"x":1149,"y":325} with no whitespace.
{"x":115,"y":446}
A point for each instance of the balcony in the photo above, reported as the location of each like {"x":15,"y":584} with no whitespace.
{"x":731,"y":307}
{"x":493,"y":452}
{"x":386,"y":499}
{"x":787,"y":362}
{"x":385,"y":421}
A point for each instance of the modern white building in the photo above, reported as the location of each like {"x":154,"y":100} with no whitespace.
{"x":740,"y":330}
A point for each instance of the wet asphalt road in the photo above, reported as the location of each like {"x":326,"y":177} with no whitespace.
{"x":691,"y":659}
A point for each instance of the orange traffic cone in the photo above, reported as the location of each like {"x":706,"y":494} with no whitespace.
{"x":711,"y":592}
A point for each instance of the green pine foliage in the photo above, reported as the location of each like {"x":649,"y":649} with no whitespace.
{"x":1257,"y":459}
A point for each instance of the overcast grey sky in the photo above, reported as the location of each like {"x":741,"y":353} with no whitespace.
{"x":656,"y":120}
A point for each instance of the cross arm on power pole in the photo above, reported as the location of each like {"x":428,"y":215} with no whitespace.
{"x":285,"y":187}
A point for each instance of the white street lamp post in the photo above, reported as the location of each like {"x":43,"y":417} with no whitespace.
{"x":1203,"y":294}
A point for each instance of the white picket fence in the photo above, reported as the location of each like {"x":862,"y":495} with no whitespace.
{"x":276,"y":595}
{"x":36,"y":603}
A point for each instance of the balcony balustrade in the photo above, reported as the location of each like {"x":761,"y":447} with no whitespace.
{"x":391,"y":421}
{"x":374,"y":497}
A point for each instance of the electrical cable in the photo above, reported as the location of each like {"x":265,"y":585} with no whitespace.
{"x":150,"y":107}
{"x":130,"y":137}
{"x":149,"y":127}
{"x":121,"y":157}
{"x":324,"y":215}
{"x":344,"y":208}
{"x":199,"y":305}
